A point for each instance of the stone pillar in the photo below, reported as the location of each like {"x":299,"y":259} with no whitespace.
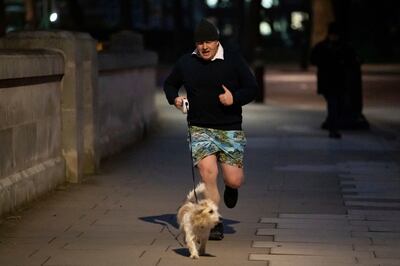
{"x":79,"y":87}
{"x":91,"y":162}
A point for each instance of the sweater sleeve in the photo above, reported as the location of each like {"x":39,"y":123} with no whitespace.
{"x":248,"y":84}
{"x":173,"y":83}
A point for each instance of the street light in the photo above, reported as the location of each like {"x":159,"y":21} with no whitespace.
{"x":53,"y":17}
{"x":212,"y":3}
{"x":265,"y":28}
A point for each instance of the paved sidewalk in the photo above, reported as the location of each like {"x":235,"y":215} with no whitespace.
{"x":308,"y":200}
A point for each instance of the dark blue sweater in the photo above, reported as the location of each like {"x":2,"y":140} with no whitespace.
{"x":203,"y":82}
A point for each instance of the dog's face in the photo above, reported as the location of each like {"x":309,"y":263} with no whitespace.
{"x":206,"y":214}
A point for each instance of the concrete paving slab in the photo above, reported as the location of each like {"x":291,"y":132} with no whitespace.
{"x":378,"y":226}
{"x":386,"y":242}
{"x":380,"y":248}
{"x":377,"y":214}
{"x":347,"y":228}
{"x":319,"y":239}
{"x":316,"y":246}
{"x":314,"y":216}
{"x":276,"y":260}
{"x":390,"y":175}
{"x":322,"y":252}
{"x":372,"y":204}
{"x":377,"y":235}
{"x":338,"y":225}
{"x":113,"y":256}
{"x":312,"y":249}
{"x":381,"y":261}
{"x":226,"y":252}
{"x":373,"y":195}
{"x":333,"y":237}
{"x":394,"y":228}
{"x":22,"y":261}
{"x":334,"y":222}
{"x":391,"y":254}
{"x":382,"y":184}
{"x":381,"y":190}
{"x":297,"y":232}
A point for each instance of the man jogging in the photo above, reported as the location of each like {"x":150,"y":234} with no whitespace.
{"x":218,"y":83}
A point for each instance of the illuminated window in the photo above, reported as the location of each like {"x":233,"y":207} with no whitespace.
{"x":53,"y":17}
{"x":212,"y":3}
{"x":297,"y":20}
{"x":269,"y":3}
{"x":265,"y":28}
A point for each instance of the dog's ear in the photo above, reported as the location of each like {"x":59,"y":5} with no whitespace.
{"x":199,"y":210}
{"x":204,"y":209}
{"x":203,"y":203}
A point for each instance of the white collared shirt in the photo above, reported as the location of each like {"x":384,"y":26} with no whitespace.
{"x":218,"y":55}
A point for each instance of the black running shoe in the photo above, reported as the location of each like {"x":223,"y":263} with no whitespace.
{"x":230,"y":197}
{"x":217,"y":233}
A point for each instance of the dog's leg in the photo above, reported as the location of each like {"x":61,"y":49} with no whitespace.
{"x":203,"y":243}
{"x":194,"y":254}
{"x":191,"y":243}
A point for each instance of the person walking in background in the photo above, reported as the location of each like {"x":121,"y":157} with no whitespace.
{"x":333,"y":58}
{"x":218,"y":83}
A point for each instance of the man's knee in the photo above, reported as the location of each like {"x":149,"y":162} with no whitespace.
{"x":208,"y":170}
{"x":233,"y":177}
{"x":208,"y":173}
{"x":235,"y":182}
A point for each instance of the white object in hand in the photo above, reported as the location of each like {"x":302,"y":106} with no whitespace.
{"x":185,"y":106}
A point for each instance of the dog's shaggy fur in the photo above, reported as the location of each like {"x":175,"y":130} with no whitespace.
{"x":197,"y":219}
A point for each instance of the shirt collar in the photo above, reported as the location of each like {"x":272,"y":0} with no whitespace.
{"x":218,"y":55}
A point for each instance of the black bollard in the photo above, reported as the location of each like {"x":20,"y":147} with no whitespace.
{"x":259,"y":74}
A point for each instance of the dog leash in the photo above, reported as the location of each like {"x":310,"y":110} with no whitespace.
{"x":186,"y":110}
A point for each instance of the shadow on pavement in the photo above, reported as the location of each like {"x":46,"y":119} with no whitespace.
{"x":163,"y":219}
{"x":184,"y":252}
{"x":170,"y":219}
{"x":228,"y":228}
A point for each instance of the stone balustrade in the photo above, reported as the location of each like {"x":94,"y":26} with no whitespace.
{"x":63,"y":107}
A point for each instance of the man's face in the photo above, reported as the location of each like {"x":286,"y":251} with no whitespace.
{"x":207,"y":49}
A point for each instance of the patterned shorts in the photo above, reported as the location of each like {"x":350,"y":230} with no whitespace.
{"x":227,"y":145}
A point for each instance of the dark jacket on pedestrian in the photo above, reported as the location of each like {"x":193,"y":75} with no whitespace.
{"x":333,"y":59}
{"x":203,"y":82}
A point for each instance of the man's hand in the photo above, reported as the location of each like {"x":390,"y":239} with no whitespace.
{"x":226,"y":98}
{"x":178,"y":102}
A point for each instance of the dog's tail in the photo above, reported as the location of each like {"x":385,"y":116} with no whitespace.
{"x":200,"y":192}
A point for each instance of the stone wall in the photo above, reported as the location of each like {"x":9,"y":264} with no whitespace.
{"x":63,"y":107}
{"x":127,"y":86}
{"x":31,"y":161}
{"x":78,"y":93}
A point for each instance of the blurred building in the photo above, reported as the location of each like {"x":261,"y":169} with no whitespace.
{"x":274,"y":30}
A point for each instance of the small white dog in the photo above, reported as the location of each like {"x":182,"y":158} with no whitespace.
{"x":197,"y":219}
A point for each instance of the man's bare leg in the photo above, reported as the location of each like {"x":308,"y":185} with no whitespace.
{"x":208,"y":169}
{"x":233,"y":175}
{"x":233,"y":178}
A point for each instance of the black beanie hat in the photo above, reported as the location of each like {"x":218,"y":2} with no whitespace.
{"x":205,"y":31}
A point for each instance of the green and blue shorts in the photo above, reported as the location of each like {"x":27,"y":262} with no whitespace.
{"x":227,"y":145}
